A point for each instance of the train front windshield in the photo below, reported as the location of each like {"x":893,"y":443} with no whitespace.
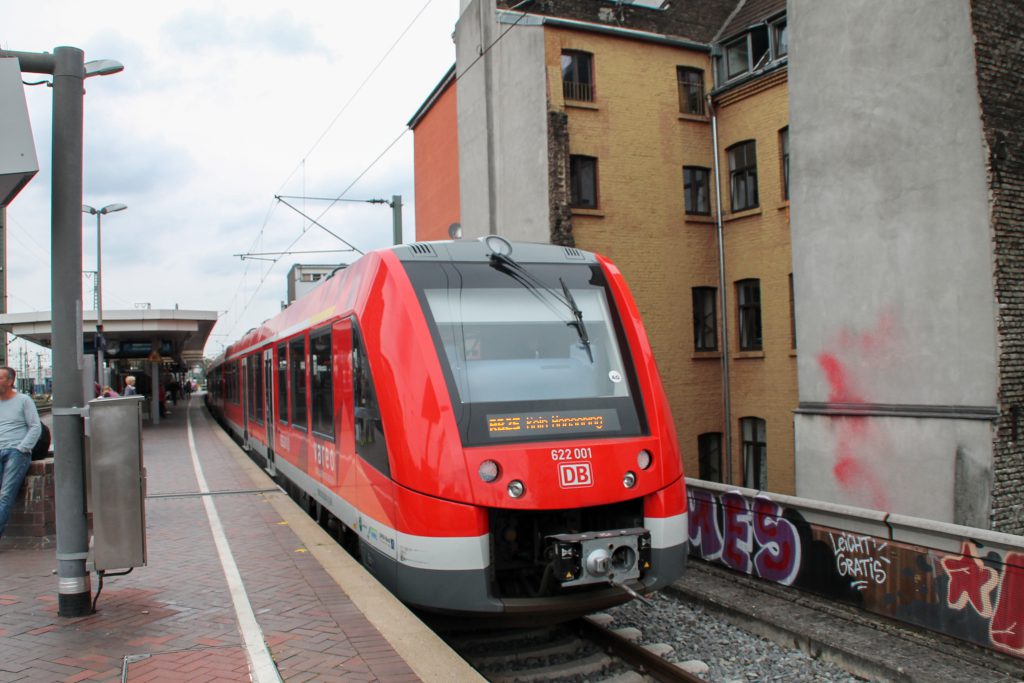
{"x":531,"y":353}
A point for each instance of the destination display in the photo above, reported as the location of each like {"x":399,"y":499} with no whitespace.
{"x":552,"y":423}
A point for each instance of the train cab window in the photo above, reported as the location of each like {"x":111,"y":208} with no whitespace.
{"x":297,"y":361}
{"x":369,"y":426}
{"x":531,"y":354}
{"x":321,"y":386}
{"x":282,"y":383}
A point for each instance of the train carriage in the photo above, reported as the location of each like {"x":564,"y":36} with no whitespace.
{"x":485,"y":418}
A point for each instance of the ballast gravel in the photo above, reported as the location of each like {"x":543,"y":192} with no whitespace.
{"x":731,"y":654}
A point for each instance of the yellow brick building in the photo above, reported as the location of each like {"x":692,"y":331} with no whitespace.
{"x":619,"y":101}
{"x":634,"y":128}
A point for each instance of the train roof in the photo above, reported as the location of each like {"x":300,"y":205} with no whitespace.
{"x":481,"y":250}
{"x":459,"y":251}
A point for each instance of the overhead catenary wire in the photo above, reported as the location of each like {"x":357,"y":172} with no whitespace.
{"x":341,"y":196}
{"x":301,"y":165}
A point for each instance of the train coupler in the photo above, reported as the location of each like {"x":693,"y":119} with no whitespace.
{"x":601,"y":556}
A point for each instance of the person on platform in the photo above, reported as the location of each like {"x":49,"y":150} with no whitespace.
{"x":129,"y":386}
{"x":19,"y":431}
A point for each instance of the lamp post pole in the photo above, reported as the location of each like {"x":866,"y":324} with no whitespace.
{"x":100,"y":339}
{"x":69,"y":70}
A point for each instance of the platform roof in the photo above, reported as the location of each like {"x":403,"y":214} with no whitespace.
{"x":180,"y":334}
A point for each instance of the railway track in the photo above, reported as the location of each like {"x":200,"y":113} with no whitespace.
{"x":585,"y":649}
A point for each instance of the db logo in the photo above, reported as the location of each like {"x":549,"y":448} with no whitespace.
{"x":575,"y":474}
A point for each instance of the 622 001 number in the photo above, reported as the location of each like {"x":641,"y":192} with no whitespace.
{"x":571,"y":453}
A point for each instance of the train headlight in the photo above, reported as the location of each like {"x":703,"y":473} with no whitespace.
{"x":629,"y":480}
{"x":516,"y":488}
{"x":644,"y":459}
{"x":489,"y":471}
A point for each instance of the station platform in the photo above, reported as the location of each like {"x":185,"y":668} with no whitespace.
{"x":240,"y":585}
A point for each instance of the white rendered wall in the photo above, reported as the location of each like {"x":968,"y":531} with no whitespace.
{"x":892,"y":254}
{"x":518,"y":130}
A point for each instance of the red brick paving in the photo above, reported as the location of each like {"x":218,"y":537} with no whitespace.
{"x":177,"y":610}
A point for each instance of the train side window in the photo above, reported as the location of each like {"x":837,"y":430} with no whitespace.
{"x":297,"y":360}
{"x":256,"y":386}
{"x":321,"y":384}
{"x":282,"y":383}
{"x":369,"y":426}
{"x":247,"y":372}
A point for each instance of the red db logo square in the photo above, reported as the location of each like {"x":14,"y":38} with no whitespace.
{"x":575,"y":475}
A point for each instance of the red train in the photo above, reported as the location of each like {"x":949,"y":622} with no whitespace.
{"x":484,"y":418}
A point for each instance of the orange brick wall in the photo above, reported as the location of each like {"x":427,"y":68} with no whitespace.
{"x":436,"y":152}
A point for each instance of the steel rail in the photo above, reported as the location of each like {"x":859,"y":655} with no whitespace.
{"x":653,"y":665}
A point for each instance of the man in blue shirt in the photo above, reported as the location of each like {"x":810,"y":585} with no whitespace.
{"x":19,"y":431}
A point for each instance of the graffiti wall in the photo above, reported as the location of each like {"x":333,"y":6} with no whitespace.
{"x":976,"y":594}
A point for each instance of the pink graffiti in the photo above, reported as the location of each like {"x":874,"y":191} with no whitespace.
{"x":753,"y":538}
{"x":972,"y":583}
{"x":853,"y":433}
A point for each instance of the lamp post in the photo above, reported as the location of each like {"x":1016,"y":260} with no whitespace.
{"x":100,"y":340}
{"x":69,"y":70}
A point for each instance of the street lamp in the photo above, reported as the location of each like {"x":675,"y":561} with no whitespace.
{"x":100,"y":341}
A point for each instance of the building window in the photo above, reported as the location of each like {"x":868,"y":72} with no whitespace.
{"x":691,"y":90}
{"x":705,"y":331}
{"x":737,"y":58}
{"x":743,"y":176}
{"x":784,"y":153}
{"x":747,"y":53}
{"x":755,"y":453}
{"x":321,"y":386}
{"x":578,"y":76}
{"x":792,"y":313}
{"x":583,"y":182}
{"x":696,"y":184}
{"x":780,"y":41}
{"x":748,"y":294}
{"x":709,"y":456}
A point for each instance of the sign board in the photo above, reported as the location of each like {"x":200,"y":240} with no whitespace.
{"x":18,"y":163}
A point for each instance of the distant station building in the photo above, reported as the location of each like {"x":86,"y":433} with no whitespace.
{"x":861,"y":346}
{"x":303,"y":278}
{"x":150,"y":344}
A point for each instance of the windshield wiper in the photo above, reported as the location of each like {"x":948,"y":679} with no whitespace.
{"x":581,"y":329}
{"x":517,"y":272}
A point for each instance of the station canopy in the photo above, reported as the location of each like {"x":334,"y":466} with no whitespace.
{"x":176,"y":335}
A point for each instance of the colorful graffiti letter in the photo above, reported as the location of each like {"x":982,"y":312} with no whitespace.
{"x":736,"y":553}
{"x":1007,"y":626}
{"x":779,"y":557}
{"x":703,"y":526}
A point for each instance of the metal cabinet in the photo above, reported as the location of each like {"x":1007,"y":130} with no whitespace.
{"x":117,"y":482}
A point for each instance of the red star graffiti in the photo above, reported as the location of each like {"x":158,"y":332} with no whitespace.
{"x":970,"y":580}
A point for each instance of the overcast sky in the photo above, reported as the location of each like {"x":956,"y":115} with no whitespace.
{"x":220,"y":107}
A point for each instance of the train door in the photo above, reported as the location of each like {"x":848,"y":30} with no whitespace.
{"x":268,"y":412}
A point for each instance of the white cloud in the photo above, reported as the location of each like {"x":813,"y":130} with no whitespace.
{"x":220,"y":107}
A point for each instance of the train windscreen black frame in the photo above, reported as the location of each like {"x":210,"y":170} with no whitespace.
{"x":517,"y":368}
